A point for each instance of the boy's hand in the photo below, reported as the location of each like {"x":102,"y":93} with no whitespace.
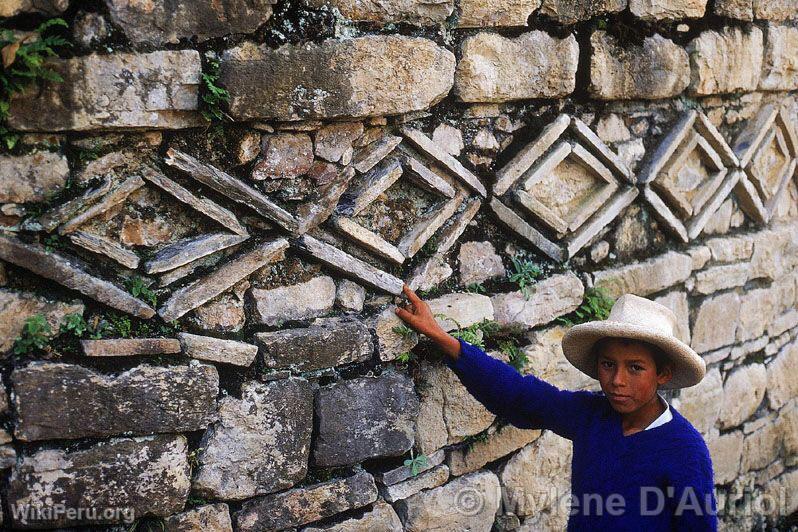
{"x":418,"y":316}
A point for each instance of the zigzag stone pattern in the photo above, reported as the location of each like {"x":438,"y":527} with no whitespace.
{"x":207,"y":224}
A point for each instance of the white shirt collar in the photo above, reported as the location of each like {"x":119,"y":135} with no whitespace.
{"x":664,"y":417}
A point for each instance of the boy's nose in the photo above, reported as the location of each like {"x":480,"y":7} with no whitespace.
{"x":618,"y":378}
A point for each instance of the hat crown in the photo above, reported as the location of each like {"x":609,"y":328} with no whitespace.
{"x":643,"y":312}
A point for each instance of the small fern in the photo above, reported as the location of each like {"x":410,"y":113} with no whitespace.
{"x":525,"y":275}
{"x":34,"y":335}
{"x":596,"y":305}
{"x":213,"y":95}
{"x":517,"y":356}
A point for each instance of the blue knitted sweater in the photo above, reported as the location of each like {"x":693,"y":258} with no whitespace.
{"x":663,"y":476}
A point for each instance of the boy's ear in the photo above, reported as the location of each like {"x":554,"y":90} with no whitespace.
{"x":665,"y":375}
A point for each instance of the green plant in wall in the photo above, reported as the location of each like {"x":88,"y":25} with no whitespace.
{"x":402,"y":330}
{"x":415,"y":463}
{"x":139,"y":288}
{"x":74,"y":324}
{"x":24,"y":62}
{"x":525,"y":275}
{"x":475,"y":288}
{"x":517,"y":356}
{"x":213,"y":96}
{"x":474,"y":334}
{"x":34,"y":335}
{"x":596,"y":305}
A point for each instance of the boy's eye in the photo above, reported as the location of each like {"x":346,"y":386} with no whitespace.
{"x":637,"y":368}
{"x":606,"y":363}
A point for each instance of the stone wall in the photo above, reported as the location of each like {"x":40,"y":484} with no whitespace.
{"x":241,"y":365}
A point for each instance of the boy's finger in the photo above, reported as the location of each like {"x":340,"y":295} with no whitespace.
{"x":410,"y":294}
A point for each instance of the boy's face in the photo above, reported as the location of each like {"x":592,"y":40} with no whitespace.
{"x":628,"y":375}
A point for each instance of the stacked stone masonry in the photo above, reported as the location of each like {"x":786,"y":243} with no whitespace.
{"x":196,"y":317}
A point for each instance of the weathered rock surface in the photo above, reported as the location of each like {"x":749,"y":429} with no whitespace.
{"x":546,"y":360}
{"x":294,"y":302}
{"x":739,"y":9}
{"x":483,"y":13}
{"x":781,"y":376}
{"x":218,"y":350}
{"x":726,"y":61}
{"x":433,"y":509}
{"x":70,"y":274}
{"x":432,"y":478}
{"x":261,"y":442}
{"x":207,"y":518}
{"x":479,"y":262}
{"x":143,"y":476}
{"x":647,"y":277}
{"x":54,"y":400}
{"x":307,"y":504}
{"x":160,"y":90}
{"x":715,"y":323}
{"x":328,"y":342}
{"x":571,"y":11}
{"x":10,"y":8}
{"x":460,"y":310}
{"x":159,"y":23}
{"x":391,"y":343}
{"x":17,"y":307}
{"x":667,"y":9}
{"x":743,"y":390}
{"x":501,"y":443}
{"x":534,"y":65}
{"x":726,"y":451}
{"x":701,"y":403}
{"x":364,"y":418}
{"x":382,"y":518}
{"x":548,"y":299}
{"x":33,"y":177}
{"x":658,"y":68}
{"x":780,"y":62}
{"x":122,"y":347}
{"x":364,"y":76}
{"x":284,"y":156}
{"x":419,"y":12}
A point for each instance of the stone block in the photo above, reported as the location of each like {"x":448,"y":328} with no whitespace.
{"x":726,"y":61}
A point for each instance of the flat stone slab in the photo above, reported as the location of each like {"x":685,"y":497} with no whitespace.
{"x":293,"y":302}
{"x":461,"y":309}
{"x":261,"y":442}
{"x":114,"y":197}
{"x":190,"y":249}
{"x":327,"y":343}
{"x":124,"y":347}
{"x":143,"y":476}
{"x":298,"y":506}
{"x":382,"y":518}
{"x":646,"y":277}
{"x":206,"y":288}
{"x":552,"y":297}
{"x":432,"y":478}
{"x":70,"y":274}
{"x":218,"y":350}
{"x":159,"y":90}
{"x":106,"y":247}
{"x":66,"y":401}
{"x":364,"y":418}
{"x":32,"y":177}
{"x":336,"y":78}
{"x":207,"y":518}
{"x":402,"y":473}
{"x":161,"y":23}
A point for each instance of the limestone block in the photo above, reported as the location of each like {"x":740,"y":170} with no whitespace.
{"x":667,"y":9}
{"x":742,"y":393}
{"x":780,"y":63}
{"x":715,"y":323}
{"x":726,"y":61}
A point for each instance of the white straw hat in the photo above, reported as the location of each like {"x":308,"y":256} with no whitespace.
{"x":641,"y":319}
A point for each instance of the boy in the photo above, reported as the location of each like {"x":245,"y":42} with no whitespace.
{"x":637,"y":463}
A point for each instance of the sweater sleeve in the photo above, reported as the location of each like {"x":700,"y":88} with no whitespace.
{"x":525,"y":401}
{"x":693,"y":500}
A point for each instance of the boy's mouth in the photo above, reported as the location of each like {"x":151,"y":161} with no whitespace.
{"x":617,"y":397}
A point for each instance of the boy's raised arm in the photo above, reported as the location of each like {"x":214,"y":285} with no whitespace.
{"x":524,"y":401}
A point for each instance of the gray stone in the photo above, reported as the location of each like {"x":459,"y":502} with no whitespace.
{"x":781,"y":376}
{"x":343,"y":262}
{"x":653,"y":10}
{"x":230,"y":187}
{"x":284,"y":156}
{"x":775,"y":9}
{"x":61,"y":213}
{"x":224,"y":313}
{"x":365,"y":158}
{"x":11,"y":8}
{"x":489,"y":13}
{"x":658,"y":68}
{"x":725,"y":451}
{"x":295,"y":302}
{"x":504,"y":441}
{"x":479,"y":262}
{"x":546,"y":360}
{"x":647,"y":277}
{"x":106,"y":247}
{"x":739,"y":9}
{"x":462,"y":309}
{"x":449,"y":138}
{"x":364,"y":76}
{"x":328,"y":342}
{"x":306,"y":504}
{"x":701,"y":403}
{"x":757,"y":311}
{"x":743,"y":391}
{"x":218,"y":350}
{"x":726,"y":61}
{"x":206,"y":518}
{"x":573,"y":11}
{"x":780,"y":64}
{"x":534,"y":65}
{"x":33,"y":177}
{"x":433,"y":509}
{"x":206,"y":288}
{"x":730,"y":249}
{"x":142,"y":476}
{"x":261,"y":442}
{"x":715,"y":322}
{"x":402,"y":473}
{"x":433,"y":478}
{"x":382,"y":518}
{"x":190,"y":249}
{"x":71,"y":274}
{"x":552,"y":297}
{"x":121,"y":347}
{"x":17,"y":307}
{"x":333,"y":140}
{"x":54,"y":400}
{"x":160,"y":91}
{"x":159,"y":23}
{"x":114,"y":197}
{"x":364,"y":418}
{"x":350,"y":295}
{"x":721,"y":277}
{"x":418,"y":12}
{"x":391,"y":343}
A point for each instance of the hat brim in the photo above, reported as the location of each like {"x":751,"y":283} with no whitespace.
{"x":577,"y":344}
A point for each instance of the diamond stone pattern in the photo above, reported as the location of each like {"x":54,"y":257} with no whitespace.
{"x":768,"y":153}
{"x":562,"y":188}
{"x":690,"y":174}
{"x":442,"y":185}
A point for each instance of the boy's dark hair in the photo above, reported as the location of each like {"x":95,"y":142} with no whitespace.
{"x":661,"y":360}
